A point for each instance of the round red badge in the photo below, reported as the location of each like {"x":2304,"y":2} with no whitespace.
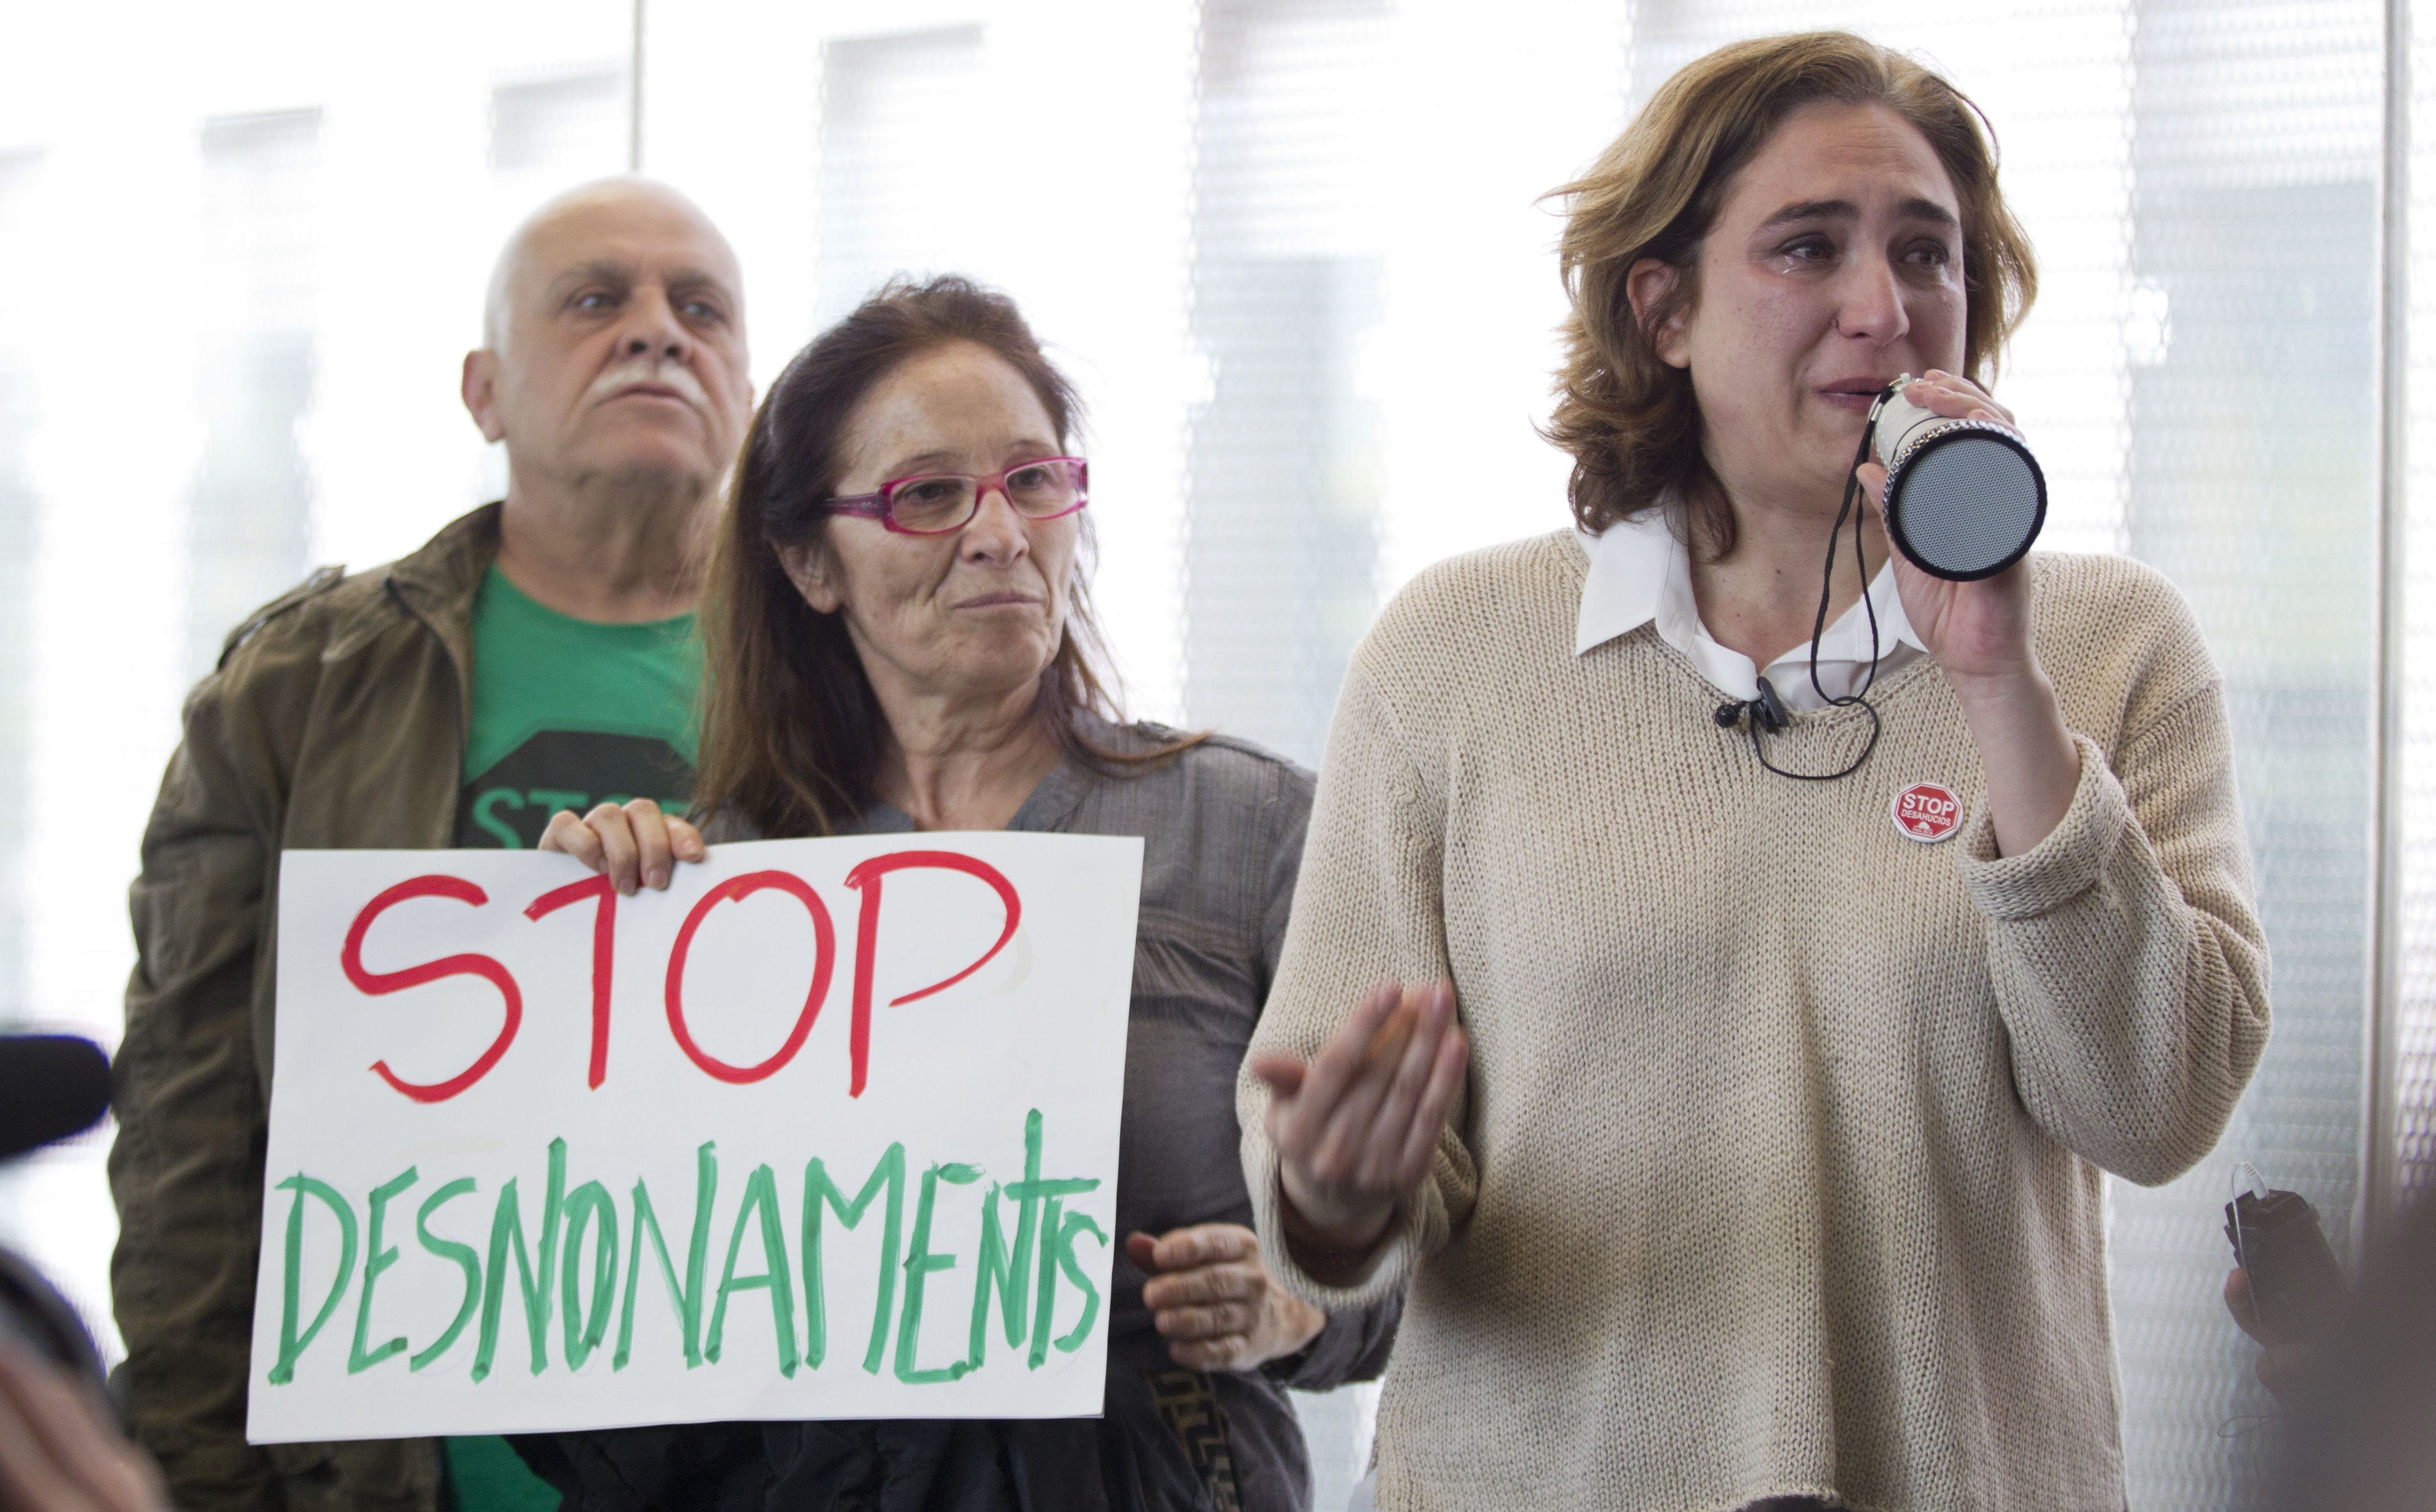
{"x":1927,"y":812}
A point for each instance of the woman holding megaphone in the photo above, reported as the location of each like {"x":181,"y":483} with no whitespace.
{"x":1809,"y":930}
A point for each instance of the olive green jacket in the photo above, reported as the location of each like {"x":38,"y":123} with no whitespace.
{"x":336,"y":720}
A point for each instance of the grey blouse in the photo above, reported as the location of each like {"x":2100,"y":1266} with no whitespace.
{"x":1221,"y":827}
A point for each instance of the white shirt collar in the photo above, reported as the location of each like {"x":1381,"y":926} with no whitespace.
{"x":1640,"y":573}
{"x":1630,"y":563}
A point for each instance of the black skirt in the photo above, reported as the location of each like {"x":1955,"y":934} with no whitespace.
{"x":1162,"y":1446}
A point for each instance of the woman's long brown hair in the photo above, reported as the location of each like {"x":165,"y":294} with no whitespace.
{"x":793,"y":735}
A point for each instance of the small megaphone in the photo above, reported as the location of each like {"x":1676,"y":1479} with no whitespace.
{"x":1964,"y":497}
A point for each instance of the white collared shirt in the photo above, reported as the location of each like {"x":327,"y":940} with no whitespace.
{"x":1640,"y":573}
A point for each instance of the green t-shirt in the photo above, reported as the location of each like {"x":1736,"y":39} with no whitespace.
{"x":566,"y":714}
{"x":486,"y":1475}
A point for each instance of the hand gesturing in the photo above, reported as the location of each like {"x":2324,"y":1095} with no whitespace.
{"x":1356,"y":1128}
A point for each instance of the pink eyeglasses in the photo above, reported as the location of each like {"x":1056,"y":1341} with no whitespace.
{"x":941,"y":503}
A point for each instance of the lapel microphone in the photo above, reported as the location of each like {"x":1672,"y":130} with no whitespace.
{"x":1767,"y":711}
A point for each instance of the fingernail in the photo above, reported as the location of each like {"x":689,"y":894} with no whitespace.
{"x":659,"y":876}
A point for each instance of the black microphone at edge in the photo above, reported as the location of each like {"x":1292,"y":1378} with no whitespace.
{"x":51,"y":1087}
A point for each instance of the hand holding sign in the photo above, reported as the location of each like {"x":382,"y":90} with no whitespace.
{"x":1211,"y":1296}
{"x":632,"y":845}
{"x":1356,"y":1129}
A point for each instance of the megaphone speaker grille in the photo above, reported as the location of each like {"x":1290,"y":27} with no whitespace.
{"x":1965,"y":500}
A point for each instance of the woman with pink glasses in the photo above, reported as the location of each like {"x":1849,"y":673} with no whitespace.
{"x":900,"y":637}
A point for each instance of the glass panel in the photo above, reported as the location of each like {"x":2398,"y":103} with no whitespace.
{"x":550,"y":125}
{"x":2415,"y":1091}
{"x":251,"y":511}
{"x":900,"y":118}
{"x":20,"y":522}
{"x":2255,"y":220}
{"x":1281,"y":544}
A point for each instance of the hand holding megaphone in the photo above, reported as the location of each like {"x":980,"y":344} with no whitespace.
{"x":1956,"y":530}
{"x":1965,"y":496}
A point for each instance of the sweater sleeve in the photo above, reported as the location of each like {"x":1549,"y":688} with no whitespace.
{"x":2129,"y":964}
{"x":1353,"y":1344}
{"x":1367,"y":906}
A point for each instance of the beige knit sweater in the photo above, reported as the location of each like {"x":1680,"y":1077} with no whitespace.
{"x":1777,"y":1170}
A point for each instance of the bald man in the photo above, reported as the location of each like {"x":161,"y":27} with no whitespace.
{"x":534,"y":655}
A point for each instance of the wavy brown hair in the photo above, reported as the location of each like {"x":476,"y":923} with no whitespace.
{"x":793,"y":733}
{"x":1627,"y":418}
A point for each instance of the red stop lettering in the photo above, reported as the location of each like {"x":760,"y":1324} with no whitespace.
{"x":605,"y":954}
{"x":865,"y":878}
{"x":380,"y":984}
{"x":826,"y":956}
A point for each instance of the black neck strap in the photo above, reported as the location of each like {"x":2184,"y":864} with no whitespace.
{"x":1767,"y":709}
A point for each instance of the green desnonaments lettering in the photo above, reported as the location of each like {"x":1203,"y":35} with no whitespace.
{"x":821,"y":1193}
{"x":377,"y":1259}
{"x":686,"y":1299}
{"x":466,"y":1260}
{"x":533,"y":1281}
{"x":762,"y":1197}
{"x":568,"y":1255}
{"x":584,"y":1331}
{"x":918,"y":1266}
{"x":291,"y":1342}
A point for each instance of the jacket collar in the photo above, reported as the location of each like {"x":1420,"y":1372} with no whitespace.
{"x":437,"y":581}
{"x":1640,"y":574}
{"x":439,"y":577}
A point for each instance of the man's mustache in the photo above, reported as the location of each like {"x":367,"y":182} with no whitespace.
{"x":652,"y":371}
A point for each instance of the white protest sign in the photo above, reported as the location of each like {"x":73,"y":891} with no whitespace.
{"x":828,"y":1129}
